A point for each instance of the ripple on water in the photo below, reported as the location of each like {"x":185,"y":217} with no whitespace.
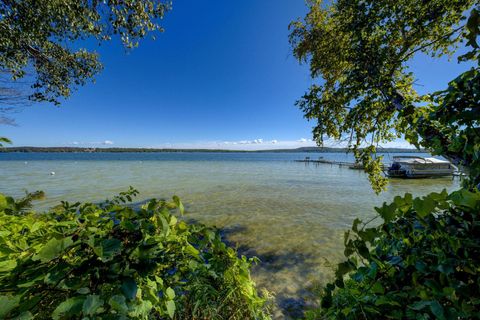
{"x":290,"y":215}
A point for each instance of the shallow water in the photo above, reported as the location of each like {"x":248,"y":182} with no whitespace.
{"x":291,"y":215}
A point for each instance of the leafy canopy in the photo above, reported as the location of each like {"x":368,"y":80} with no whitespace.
{"x":420,"y":261}
{"x":111,"y":261}
{"x":40,"y":39}
{"x":360,"y":50}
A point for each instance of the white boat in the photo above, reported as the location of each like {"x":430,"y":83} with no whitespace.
{"x":419,"y":167}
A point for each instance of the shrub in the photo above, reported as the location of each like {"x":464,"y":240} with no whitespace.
{"x":114,"y":261}
{"x":422,"y":262}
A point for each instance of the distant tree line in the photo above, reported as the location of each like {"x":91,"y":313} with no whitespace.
{"x":151,"y":150}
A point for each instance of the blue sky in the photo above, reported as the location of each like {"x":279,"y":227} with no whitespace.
{"x":222,"y":75}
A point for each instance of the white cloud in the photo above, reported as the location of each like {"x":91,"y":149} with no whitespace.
{"x":91,"y":143}
{"x":255,"y":144}
{"x":255,"y":141}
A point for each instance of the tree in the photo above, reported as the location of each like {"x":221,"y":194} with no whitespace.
{"x":418,"y":259}
{"x":41,"y":39}
{"x":361,"y":48}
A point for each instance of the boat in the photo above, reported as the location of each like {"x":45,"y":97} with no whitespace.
{"x":419,"y":167}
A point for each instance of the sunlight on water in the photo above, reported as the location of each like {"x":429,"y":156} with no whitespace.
{"x":291,"y":215}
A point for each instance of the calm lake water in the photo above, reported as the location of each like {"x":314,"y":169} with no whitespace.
{"x":291,"y":215}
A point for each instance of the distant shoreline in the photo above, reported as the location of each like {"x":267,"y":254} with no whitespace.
{"x":151,"y":150}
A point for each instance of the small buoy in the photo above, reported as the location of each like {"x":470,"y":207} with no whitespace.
{"x":25,"y":162}
{"x":52,"y":173}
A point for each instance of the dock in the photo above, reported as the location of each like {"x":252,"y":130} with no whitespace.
{"x":350,"y":165}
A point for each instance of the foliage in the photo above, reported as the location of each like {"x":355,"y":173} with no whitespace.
{"x":4,"y":140}
{"x":361,"y":50}
{"x":112,"y":261}
{"x":421,"y":262}
{"x":43,"y":37}
{"x":451,"y":126}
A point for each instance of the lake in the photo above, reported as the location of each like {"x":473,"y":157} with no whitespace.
{"x":291,"y":215}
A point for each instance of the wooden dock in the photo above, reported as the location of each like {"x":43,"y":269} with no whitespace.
{"x":350,"y":165}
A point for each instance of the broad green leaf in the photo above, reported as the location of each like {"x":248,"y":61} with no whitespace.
{"x":52,"y":249}
{"x":68,"y":308}
{"x":36,"y":226}
{"x":165,"y":226}
{"x":170,"y":293}
{"x":387,"y":212}
{"x":424,"y":206}
{"x":92,"y":304}
{"x":191,"y":250}
{"x":119,"y":304}
{"x":465,"y":198}
{"x":437,"y":310}
{"x":170,"y":308}
{"x":110,"y":247}
{"x":141,"y":310}
{"x":7,"y":304}
{"x":7,"y":265}
{"x":343,"y":268}
{"x":129,"y":288}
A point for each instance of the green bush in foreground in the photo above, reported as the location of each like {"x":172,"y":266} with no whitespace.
{"x":422,"y":262}
{"x":111,"y":261}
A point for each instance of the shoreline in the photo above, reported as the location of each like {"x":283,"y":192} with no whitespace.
{"x":28,"y":149}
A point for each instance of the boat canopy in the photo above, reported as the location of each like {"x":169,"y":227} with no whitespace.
{"x":415,"y":160}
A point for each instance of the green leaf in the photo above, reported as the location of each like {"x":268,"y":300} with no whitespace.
{"x":129,"y":288}
{"x":437,"y":310}
{"x":191,"y":250}
{"x":368,"y":235}
{"x":3,"y":202}
{"x":27,"y":315}
{"x":384,"y":300}
{"x":343,"y":268}
{"x":84,"y":290}
{"x":378,"y":288}
{"x":110,"y":248}
{"x":419,"y":305}
{"x":7,"y":304}
{"x":52,"y":249}
{"x":424,"y":206}
{"x":465,"y":198}
{"x":165,"y":226}
{"x":7,"y":265}
{"x":387,"y":212}
{"x":170,"y":308}
{"x":170,"y":293}
{"x":141,"y":310}
{"x":179,"y":204}
{"x":92,"y":304}
{"x":119,"y":304}
{"x":69,"y":307}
